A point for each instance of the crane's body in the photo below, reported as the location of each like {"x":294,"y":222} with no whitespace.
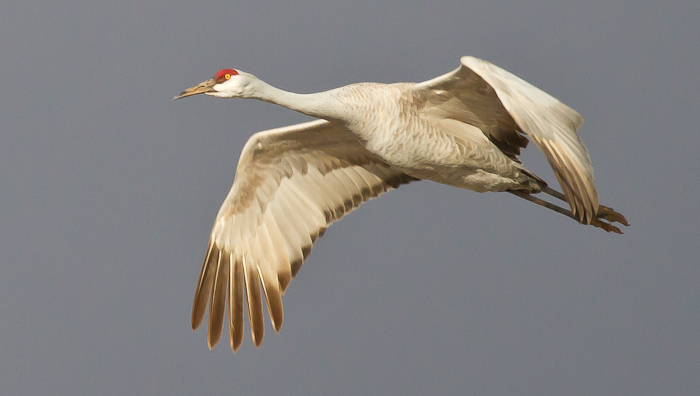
{"x":464,"y":129}
{"x":387,"y":120}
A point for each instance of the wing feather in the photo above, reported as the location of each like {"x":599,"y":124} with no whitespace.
{"x":505,"y":108}
{"x":291,"y":184}
{"x":201,"y":295}
{"x":255,"y":309}
{"x":235,"y":313}
{"x":218,"y":300}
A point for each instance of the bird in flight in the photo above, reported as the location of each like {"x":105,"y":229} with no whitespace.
{"x":464,"y":129}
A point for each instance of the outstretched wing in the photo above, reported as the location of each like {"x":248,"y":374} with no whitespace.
{"x":291,"y":184}
{"x":504,"y":107}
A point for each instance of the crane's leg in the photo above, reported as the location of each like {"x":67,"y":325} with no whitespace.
{"x":603,"y":212}
{"x":556,"y":194}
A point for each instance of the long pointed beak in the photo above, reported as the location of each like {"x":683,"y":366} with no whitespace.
{"x":204,"y":87}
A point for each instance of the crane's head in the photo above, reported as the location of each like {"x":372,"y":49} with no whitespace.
{"x":226,"y":83}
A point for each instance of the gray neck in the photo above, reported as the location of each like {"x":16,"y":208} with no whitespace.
{"x":319,"y":105}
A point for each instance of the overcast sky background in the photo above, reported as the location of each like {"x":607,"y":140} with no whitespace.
{"x":109,"y":188}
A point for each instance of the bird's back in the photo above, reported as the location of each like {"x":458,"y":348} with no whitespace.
{"x":392,"y":122}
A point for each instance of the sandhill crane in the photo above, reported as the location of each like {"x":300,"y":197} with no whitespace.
{"x":464,"y":129}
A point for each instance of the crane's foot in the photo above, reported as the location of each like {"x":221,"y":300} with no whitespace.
{"x":609,"y":214}
{"x":606,"y":216}
{"x":605,"y":226}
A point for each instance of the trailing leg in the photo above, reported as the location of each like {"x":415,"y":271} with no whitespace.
{"x":604,"y":212}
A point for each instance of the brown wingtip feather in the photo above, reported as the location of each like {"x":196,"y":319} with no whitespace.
{"x":306,"y":251}
{"x":218,"y":300}
{"x":296,"y":266}
{"x":237,"y":287}
{"x":284,"y":277}
{"x":235,"y":344}
{"x":206,"y":277}
{"x":255,"y":309}
{"x":274,"y":303}
{"x":576,"y":185}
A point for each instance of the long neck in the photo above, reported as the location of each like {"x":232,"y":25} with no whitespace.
{"x":319,"y":105}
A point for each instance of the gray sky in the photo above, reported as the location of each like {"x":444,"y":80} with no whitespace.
{"x":108,"y":190}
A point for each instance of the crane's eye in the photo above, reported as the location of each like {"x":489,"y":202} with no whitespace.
{"x":224,"y":75}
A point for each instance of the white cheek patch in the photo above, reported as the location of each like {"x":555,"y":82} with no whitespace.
{"x":217,"y":94}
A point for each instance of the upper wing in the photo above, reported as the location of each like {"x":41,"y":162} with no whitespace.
{"x":503,"y":106}
{"x":291,"y":184}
